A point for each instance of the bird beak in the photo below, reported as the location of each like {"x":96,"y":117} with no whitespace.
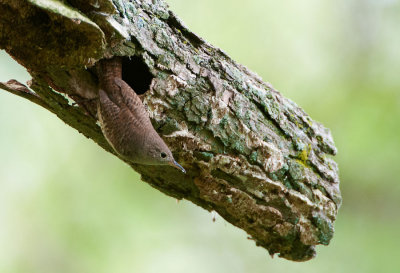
{"x":176,"y":165}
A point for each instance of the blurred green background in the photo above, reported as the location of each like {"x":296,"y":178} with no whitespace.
{"x":68,"y":206}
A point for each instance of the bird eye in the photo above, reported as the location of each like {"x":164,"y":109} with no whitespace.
{"x":163,"y":155}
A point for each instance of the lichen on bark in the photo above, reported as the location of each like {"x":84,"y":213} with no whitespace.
{"x":252,"y":155}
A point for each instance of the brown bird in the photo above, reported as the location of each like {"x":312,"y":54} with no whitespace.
{"x":125,"y":122}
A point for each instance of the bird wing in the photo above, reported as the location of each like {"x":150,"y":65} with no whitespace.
{"x":119,"y":126}
{"x":140,"y":117}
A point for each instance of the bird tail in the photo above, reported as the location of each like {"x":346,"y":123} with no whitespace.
{"x":108,"y":70}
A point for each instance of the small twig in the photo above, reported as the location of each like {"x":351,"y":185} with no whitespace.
{"x":19,"y":89}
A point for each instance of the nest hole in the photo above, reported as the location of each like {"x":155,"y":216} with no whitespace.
{"x":137,"y":74}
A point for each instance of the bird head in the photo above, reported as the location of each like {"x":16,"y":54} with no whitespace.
{"x":158,"y":153}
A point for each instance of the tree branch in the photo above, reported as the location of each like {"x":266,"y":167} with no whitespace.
{"x":252,"y":155}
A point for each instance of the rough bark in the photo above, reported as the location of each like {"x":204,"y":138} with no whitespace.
{"x":251,"y":155}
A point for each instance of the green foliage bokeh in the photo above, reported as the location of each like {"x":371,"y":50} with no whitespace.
{"x":68,"y":206}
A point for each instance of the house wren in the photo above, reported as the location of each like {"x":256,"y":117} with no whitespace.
{"x":125,"y":122}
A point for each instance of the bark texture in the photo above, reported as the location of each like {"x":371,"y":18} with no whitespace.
{"x":251,"y":155}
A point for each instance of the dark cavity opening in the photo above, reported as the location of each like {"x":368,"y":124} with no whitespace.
{"x":136,"y":73}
